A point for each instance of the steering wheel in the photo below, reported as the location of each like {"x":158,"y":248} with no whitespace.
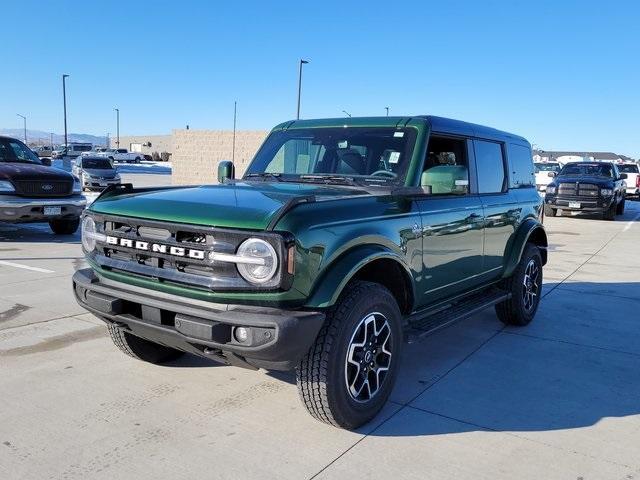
{"x":382,"y":173}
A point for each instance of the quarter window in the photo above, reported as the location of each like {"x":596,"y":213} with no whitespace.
{"x":490,"y":166}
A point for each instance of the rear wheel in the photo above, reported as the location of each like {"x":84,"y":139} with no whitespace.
{"x":525,"y":286}
{"x":549,"y":212}
{"x":64,"y":227}
{"x":140,"y":348}
{"x":349,"y":372}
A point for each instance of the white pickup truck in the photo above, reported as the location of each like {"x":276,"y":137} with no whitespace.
{"x":543,"y":169}
{"x":633,"y":178}
{"x":122,"y":155}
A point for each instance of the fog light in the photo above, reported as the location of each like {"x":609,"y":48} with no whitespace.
{"x":241,"y":334}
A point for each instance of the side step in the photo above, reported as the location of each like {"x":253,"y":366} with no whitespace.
{"x":425,"y":323}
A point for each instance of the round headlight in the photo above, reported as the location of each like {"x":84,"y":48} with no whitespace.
{"x":259,"y":261}
{"x":88,"y":234}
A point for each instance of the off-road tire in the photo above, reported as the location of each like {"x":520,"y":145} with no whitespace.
{"x":610,"y":213}
{"x":620,"y":208}
{"x":549,"y":212}
{"x":64,"y":227}
{"x":321,"y":374}
{"x":513,"y":311}
{"x":140,"y":348}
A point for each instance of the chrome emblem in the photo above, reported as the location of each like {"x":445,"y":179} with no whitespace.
{"x":156,"y":248}
{"x":46,"y":187}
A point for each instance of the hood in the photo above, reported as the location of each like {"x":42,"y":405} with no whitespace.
{"x":31,"y":171}
{"x":100,"y":172}
{"x":583,"y":179}
{"x":249,"y":205}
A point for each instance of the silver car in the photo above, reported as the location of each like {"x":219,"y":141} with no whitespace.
{"x":96,"y":173}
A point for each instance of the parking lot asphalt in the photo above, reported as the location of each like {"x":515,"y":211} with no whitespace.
{"x":559,"y":399}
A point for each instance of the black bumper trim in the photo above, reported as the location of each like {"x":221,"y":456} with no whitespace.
{"x":284,"y":335}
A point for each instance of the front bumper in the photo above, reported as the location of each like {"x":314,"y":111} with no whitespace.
{"x":277,"y":338}
{"x":97,"y":183}
{"x":17,"y":209}
{"x":597,"y":205}
{"x":633,"y":192}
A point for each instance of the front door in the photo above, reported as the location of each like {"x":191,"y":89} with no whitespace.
{"x":452,"y":221}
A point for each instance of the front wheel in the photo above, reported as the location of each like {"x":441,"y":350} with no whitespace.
{"x":140,"y":348}
{"x":549,"y":212}
{"x":64,"y":227}
{"x":620,"y":208}
{"x":525,"y":287}
{"x":610,"y":213}
{"x":348,"y":374}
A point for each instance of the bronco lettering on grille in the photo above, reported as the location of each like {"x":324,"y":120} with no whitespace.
{"x":156,"y":248}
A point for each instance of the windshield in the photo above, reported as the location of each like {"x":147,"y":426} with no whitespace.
{"x":628,"y":168}
{"x":98,"y":163}
{"x":335,"y":155}
{"x":547,"y":167}
{"x":591,"y":169}
{"x":16,"y":152}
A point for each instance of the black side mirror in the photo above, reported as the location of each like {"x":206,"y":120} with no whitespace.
{"x":551,"y":174}
{"x":46,"y":161}
{"x":623,"y":176}
{"x":226,"y":171}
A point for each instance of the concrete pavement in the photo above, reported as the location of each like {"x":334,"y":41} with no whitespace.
{"x":557,"y":399}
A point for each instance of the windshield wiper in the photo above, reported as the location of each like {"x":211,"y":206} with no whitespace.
{"x":264,"y":175}
{"x":328,"y":179}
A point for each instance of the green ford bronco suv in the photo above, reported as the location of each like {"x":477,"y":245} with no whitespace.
{"x":343,"y":238}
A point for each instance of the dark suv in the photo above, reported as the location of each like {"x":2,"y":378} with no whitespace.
{"x":589,"y":187}
{"x":343,"y":237}
{"x":31,"y":191}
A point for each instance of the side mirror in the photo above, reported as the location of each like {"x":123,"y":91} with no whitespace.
{"x":552,"y":174}
{"x":46,"y":161}
{"x":623,"y":176}
{"x":226,"y":171}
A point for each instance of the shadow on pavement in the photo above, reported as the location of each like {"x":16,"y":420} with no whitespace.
{"x":34,"y":233}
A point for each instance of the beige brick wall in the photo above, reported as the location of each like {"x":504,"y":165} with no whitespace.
{"x":196,"y":153}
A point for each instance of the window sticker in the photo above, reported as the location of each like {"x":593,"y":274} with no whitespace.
{"x":394,"y":157}
{"x":398,"y":134}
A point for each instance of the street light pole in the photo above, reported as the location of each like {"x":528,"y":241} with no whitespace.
{"x":117,"y":127}
{"x":64,"y":99}
{"x":233,"y":145}
{"x":24,"y":120}
{"x":387,"y":109}
{"x":51,"y":141}
{"x":302,"y":62}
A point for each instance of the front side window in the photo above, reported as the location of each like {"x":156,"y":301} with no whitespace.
{"x":490,"y":166}
{"x":358,"y":154}
{"x":446,"y":168}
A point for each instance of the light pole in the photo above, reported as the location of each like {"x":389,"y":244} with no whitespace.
{"x":51,"y":141}
{"x":64,"y":100}
{"x":387,"y":109}
{"x":233,"y":145}
{"x":24,"y":121}
{"x":346,"y":113}
{"x":302,"y":62}
{"x":117,"y":127}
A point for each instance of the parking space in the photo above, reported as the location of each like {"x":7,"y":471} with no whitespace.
{"x":557,"y":399}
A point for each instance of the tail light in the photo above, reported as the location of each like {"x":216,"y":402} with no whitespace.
{"x":638,"y":181}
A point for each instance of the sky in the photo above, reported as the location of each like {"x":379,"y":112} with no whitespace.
{"x":565,"y":75}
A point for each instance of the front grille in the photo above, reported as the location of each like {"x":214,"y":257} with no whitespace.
{"x":584,"y":190}
{"x":163,"y":266}
{"x":38,"y":188}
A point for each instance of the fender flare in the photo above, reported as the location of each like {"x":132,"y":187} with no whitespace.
{"x":529,"y":229}
{"x":339,"y":273}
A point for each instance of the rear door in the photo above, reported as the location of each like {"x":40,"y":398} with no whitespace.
{"x":452,"y":220}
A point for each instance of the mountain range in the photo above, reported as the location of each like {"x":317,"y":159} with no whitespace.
{"x":39,"y":137}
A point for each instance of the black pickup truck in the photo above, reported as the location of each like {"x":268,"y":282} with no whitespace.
{"x":590,"y":187}
{"x":32,"y":191}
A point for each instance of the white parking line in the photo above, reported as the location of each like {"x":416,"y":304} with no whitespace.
{"x":628,"y":226}
{"x":26,"y":267}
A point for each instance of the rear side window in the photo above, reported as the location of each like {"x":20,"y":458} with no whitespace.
{"x":521,"y":165}
{"x":490,"y":166}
